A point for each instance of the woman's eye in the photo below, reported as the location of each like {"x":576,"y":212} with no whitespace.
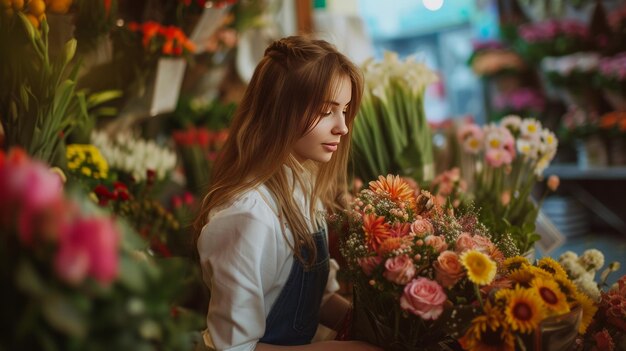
{"x":327,"y":113}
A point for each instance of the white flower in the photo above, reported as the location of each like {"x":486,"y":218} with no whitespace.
{"x":530,"y":128}
{"x":568,"y":255}
{"x":588,"y":287}
{"x":592,"y":260}
{"x":512,"y":123}
{"x":527,"y":148}
{"x":572,"y":267}
{"x":549,"y":142}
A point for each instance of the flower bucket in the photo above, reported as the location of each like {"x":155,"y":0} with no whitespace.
{"x":558,"y":333}
{"x":591,"y":152}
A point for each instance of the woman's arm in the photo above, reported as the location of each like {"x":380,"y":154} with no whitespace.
{"x":322,"y":346}
{"x":334,"y":311}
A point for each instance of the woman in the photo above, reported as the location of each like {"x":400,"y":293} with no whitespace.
{"x":263,"y":243}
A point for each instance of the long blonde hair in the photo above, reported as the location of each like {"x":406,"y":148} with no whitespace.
{"x":290,"y":88}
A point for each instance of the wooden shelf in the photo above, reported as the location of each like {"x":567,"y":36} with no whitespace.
{"x":572,"y":171}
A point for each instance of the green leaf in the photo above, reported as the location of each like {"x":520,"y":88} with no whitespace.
{"x":28,"y":280}
{"x":131,"y":274}
{"x":30,"y":30}
{"x":96,"y":99}
{"x":64,"y":316}
{"x":24,"y":97}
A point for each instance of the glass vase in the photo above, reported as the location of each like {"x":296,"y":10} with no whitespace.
{"x":558,"y":333}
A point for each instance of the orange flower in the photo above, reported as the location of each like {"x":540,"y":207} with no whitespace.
{"x":376,"y":230}
{"x":609,"y":120}
{"x":397,"y":188}
{"x":391,"y":244}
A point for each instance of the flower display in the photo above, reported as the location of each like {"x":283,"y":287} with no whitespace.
{"x":575,"y":70}
{"x":85,"y":160}
{"x":552,"y":38}
{"x":75,"y":277}
{"x":162,"y":40}
{"x":135,"y":156}
{"x":391,"y":133}
{"x":414,"y":262}
{"x":505,"y":161}
{"x":493,"y":58}
{"x":611,"y":73}
{"x":521,"y":101}
{"x":519,"y":300}
{"x":579,"y":124}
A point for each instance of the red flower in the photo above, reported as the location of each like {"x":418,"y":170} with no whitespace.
{"x":376,"y":230}
{"x":603,"y":341}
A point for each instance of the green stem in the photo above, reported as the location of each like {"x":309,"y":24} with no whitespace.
{"x":480,"y":298}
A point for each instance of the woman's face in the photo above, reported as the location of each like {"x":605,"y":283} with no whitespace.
{"x":321,"y":141}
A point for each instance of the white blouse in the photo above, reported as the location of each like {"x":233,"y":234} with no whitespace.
{"x":246,"y":262}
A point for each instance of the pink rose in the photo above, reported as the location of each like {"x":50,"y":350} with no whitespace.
{"x":437,"y":242}
{"x":90,"y":246}
{"x":448,"y":269}
{"x":464,"y":242}
{"x":482,"y":243}
{"x":369,"y":263}
{"x":422,"y":227}
{"x":399,"y":269}
{"x":424,"y":298}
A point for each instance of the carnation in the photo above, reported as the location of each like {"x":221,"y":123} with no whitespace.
{"x":592,"y":259}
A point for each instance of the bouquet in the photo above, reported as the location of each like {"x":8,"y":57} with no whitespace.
{"x":552,"y":38}
{"x":611,"y":74}
{"x":391,"y":133}
{"x":529,"y":307}
{"x":77,"y":279}
{"x":578,"y":124}
{"x":504,"y":161}
{"x":413,"y":264}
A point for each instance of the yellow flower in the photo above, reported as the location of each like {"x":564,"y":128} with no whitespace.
{"x":488,"y":332}
{"x":566,"y":286}
{"x":515,"y":262}
{"x":589,"y":310}
{"x":86,"y":171}
{"x":551,"y":266}
{"x":480,"y":268}
{"x":523,"y":310}
{"x":551,"y":295}
{"x":522,"y":276}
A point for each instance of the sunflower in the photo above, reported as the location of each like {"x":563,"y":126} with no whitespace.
{"x":480,"y":268}
{"x":551,"y":295}
{"x":522,"y":276}
{"x":523,"y":310}
{"x":551,"y":266}
{"x":566,"y":285}
{"x":589,"y":310}
{"x":515,"y":262}
{"x":488,"y":333}
{"x":398,"y":189}
{"x":376,"y":230}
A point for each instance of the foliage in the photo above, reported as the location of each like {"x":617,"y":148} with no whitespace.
{"x":391,"y":133}
{"x":77,"y":280}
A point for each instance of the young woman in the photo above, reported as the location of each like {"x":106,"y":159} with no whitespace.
{"x":263,"y":243}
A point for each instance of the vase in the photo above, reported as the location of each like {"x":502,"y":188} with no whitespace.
{"x":591,"y":152}
{"x":558,"y":333}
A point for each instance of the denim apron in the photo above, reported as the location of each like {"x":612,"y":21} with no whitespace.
{"x":294,"y":317}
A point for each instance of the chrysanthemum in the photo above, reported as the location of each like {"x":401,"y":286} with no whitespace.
{"x":523,"y":310}
{"x":589,"y":310}
{"x":398,"y":190}
{"x":376,"y":230}
{"x":551,"y":295}
{"x":488,"y":333}
{"x":391,"y":244}
{"x":480,"y":268}
{"x":515,"y":262}
{"x":551,"y":266}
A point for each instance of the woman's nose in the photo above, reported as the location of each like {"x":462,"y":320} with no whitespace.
{"x":340,"y":126}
